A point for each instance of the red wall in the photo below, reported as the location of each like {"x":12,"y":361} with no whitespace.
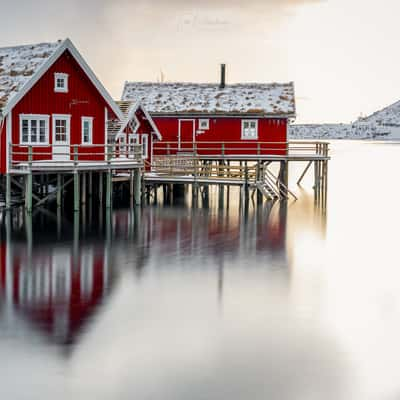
{"x":144,"y":128}
{"x":82,"y":99}
{"x":228,"y":130}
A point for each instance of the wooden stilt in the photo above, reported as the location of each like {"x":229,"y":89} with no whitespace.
{"x":138,"y":187}
{"x":76,"y":191}
{"x":84,"y":188}
{"x":109,"y":190}
{"x":28,"y":192}
{"x":59,"y":190}
{"x":131,"y":186}
{"x":101,"y":183}
{"x":90,"y":190}
{"x":8,"y":191}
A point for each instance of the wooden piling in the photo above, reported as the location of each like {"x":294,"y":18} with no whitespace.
{"x":76,"y":191}
{"x":83,"y":188}
{"x":59,"y":190}
{"x":138,"y":187}
{"x":8,"y":191}
{"x":109,"y":190}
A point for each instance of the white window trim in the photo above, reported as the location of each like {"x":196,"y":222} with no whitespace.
{"x":90,"y":120}
{"x":206,"y":127}
{"x":35,"y":117}
{"x":145,"y":155}
{"x":135,"y":137}
{"x":66,"y":117}
{"x":242,"y":133}
{"x":63,"y":76}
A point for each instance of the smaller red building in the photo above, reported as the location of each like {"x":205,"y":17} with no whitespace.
{"x":135,"y":127}
{"x":51,"y":102}
{"x":217,"y":118}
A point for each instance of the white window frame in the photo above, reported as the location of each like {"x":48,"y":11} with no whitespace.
{"x":243,"y":135}
{"x":67,"y":118}
{"x":122,"y":145}
{"x":37,"y":118}
{"x":90,"y":121}
{"x":131,"y":146}
{"x":64,"y":77}
{"x":206,"y":122}
{"x":145,"y":146}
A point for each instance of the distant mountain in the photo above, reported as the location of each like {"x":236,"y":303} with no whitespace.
{"x":383,"y":124}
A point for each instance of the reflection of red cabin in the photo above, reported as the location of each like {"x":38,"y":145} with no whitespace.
{"x":56,"y":291}
{"x":51,"y":100}
{"x":247,"y":118}
{"x":135,"y":127}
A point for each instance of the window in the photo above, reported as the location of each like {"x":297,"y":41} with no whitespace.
{"x":204,"y":124}
{"x":133,"y":139}
{"x":34,"y":129}
{"x":61,"y":129}
{"x":145,"y":145}
{"x":122,"y":145}
{"x":87,"y":130}
{"x":249,"y":129}
{"x":61,"y":83}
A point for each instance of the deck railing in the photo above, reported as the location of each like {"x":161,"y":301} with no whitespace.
{"x":244,"y":147}
{"x":23,"y":156}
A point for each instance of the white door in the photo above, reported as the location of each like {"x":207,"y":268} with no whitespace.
{"x":61,"y":137}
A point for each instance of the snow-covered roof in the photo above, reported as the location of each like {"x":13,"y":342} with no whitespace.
{"x":274,"y":99}
{"x":18,"y":64}
{"x":128,"y":110}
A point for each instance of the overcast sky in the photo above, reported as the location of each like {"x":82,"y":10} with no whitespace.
{"x":341,"y":54}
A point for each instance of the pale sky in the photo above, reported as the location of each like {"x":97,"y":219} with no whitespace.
{"x":341,"y":54}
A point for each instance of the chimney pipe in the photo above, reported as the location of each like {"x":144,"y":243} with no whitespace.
{"x":223,"y":71}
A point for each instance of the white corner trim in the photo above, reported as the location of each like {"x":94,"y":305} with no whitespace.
{"x":65,"y":45}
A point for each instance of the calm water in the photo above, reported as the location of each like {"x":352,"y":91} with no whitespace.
{"x":215,"y":302}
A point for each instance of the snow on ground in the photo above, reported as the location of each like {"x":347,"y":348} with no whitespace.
{"x":383,"y":124}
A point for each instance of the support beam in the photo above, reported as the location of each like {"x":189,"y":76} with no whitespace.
{"x":101,"y":183}
{"x":84,"y":188}
{"x":59,"y":190}
{"x":138,"y":187}
{"x":304,"y":172}
{"x":28,"y":192}
{"x":76,"y":191}
{"x":90,"y":185}
{"x":109,"y":190}
{"x":8,"y":191}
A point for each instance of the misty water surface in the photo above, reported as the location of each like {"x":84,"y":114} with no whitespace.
{"x":284,"y":301}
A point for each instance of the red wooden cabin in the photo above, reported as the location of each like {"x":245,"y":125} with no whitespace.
{"x":51,"y":100}
{"x":136,"y":127}
{"x":217,"y":118}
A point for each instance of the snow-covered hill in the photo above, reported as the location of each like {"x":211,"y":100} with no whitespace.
{"x":383,"y":124}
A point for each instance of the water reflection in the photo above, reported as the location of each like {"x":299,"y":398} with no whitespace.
{"x":192,"y":301}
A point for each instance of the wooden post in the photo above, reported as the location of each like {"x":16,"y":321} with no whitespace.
{"x":76,"y":191}
{"x":138,"y":187}
{"x":131,"y":186}
{"x":101,"y":187}
{"x":59,"y":190}
{"x":109,"y":189}
{"x":8,"y":191}
{"x":90,"y":185}
{"x":28,"y":182}
{"x":83,"y":188}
